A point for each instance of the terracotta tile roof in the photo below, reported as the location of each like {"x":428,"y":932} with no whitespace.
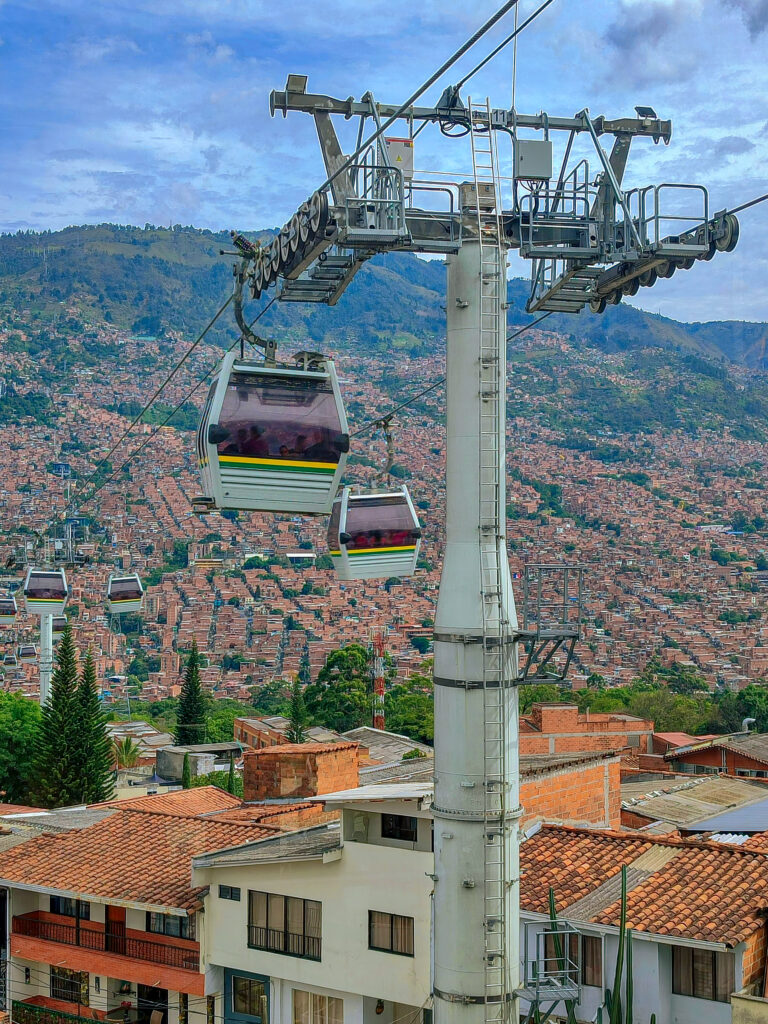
{"x":182,"y":802}
{"x":19,"y":809}
{"x":130,"y":856}
{"x":696,"y":890}
{"x":245,"y":813}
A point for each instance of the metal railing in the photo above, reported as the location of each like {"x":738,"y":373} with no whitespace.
{"x":275,"y":940}
{"x":29,"y":1013}
{"x":120,"y":943}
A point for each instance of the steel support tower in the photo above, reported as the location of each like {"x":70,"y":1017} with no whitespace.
{"x":590,"y":241}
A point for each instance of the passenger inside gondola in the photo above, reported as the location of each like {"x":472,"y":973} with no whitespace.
{"x":394,"y":526}
{"x":281,"y":420}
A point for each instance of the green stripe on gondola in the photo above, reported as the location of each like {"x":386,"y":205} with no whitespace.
{"x":383,"y":553}
{"x":272,"y":466}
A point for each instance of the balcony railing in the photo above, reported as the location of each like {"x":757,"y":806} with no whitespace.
{"x":121,"y":943}
{"x":29,"y":1013}
{"x":274,"y":940}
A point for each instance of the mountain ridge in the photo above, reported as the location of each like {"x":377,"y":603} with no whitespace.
{"x":149,"y":279}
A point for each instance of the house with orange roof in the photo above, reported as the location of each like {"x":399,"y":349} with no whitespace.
{"x":104,"y":920}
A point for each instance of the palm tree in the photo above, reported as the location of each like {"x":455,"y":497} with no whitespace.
{"x":127,"y":752}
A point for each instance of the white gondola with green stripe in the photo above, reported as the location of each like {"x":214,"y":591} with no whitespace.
{"x":7,"y":610}
{"x":124,"y":594}
{"x":45,"y":591}
{"x":374,"y":535}
{"x":273,"y":438}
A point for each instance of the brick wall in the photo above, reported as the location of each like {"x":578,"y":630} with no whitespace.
{"x":574,"y":794}
{"x":562,"y":729}
{"x":753,"y":958}
{"x":299,"y":770}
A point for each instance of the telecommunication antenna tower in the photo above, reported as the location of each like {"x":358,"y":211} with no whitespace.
{"x":377,"y":644}
{"x":589,"y":242}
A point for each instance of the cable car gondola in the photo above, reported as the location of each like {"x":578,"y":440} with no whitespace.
{"x":372,"y":535}
{"x":7,"y":610}
{"x":273,"y":438}
{"x":27,"y":653}
{"x":58,"y":625}
{"x":124,"y":594}
{"x":10,"y":661}
{"x":45,"y":591}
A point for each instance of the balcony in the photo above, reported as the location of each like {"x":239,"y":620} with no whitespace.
{"x":51,"y":1011}
{"x":120,"y":953}
{"x":179,"y":953}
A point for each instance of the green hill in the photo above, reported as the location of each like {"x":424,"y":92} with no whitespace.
{"x":148,"y":279}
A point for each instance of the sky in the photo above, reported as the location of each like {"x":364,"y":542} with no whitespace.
{"x":156,"y":111}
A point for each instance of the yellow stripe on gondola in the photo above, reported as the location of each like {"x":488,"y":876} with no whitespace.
{"x":380,"y":551}
{"x":278,"y":462}
{"x":43,"y":600}
{"x":335,"y":554}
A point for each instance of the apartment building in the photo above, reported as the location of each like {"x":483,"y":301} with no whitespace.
{"x":331,"y":923}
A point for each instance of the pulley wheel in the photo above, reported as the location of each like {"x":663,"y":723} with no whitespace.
{"x":648,"y":278}
{"x":615,"y":297}
{"x":597,"y":305}
{"x":666,"y":269}
{"x":274,"y":258}
{"x":284,"y":246}
{"x":257,"y":279}
{"x":294,"y":237}
{"x":318,"y":213}
{"x":303,"y":224}
{"x":631,"y":287}
{"x":710,"y":253}
{"x":687,"y":263}
{"x":727,"y":242}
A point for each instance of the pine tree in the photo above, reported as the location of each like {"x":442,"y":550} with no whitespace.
{"x":231,"y":776}
{"x":186,"y":773}
{"x":298,"y":715}
{"x":97,"y":750}
{"x":190,"y":720}
{"x":58,"y":754}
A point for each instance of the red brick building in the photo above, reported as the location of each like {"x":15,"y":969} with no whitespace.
{"x":562,"y":728}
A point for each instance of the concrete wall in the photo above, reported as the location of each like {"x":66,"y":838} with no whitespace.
{"x":365,"y":877}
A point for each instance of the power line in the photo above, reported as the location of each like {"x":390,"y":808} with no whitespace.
{"x":172,"y":413}
{"x":169,"y":377}
{"x":421,"y":90}
{"x":503,"y":43}
{"x":436,"y":384}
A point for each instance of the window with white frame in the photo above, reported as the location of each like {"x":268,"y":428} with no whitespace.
{"x":312,"y":1008}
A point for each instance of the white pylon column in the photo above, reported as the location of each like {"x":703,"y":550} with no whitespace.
{"x":476,"y":803}
{"x":46,"y":656}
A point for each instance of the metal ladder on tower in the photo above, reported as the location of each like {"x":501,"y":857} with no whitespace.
{"x":493,"y":295}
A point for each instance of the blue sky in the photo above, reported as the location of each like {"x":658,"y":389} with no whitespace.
{"x":156,"y":111}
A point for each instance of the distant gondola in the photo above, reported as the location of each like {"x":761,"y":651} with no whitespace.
{"x":10,"y":661}
{"x":124,"y":594}
{"x":45,"y":591}
{"x":58,"y":626}
{"x":8,"y":610}
{"x":27,"y":653}
{"x":374,"y":535}
{"x":273,"y":438}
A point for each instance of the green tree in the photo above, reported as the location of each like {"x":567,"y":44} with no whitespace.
{"x":270,"y":699}
{"x":193,"y":705}
{"x":409,"y":709}
{"x":298,"y":715}
{"x":220,"y":779}
{"x":19,"y":727}
{"x":231,"y":777}
{"x":96,"y":775}
{"x":126,"y":752}
{"x":186,"y":773}
{"x":339,"y":699}
{"x":56,"y":770}
{"x":538,"y":693}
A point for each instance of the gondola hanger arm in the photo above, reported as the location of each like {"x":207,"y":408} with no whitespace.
{"x":240,"y":271}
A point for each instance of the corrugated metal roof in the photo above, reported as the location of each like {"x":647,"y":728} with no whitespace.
{"x":750,"y":819}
